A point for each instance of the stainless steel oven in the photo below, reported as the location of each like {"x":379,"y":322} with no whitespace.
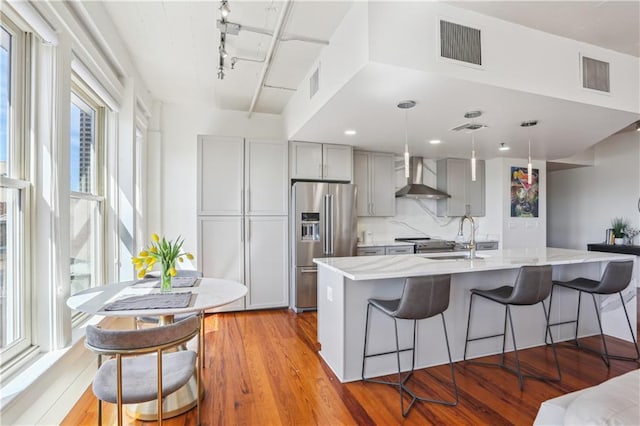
{"x":430,"y":245}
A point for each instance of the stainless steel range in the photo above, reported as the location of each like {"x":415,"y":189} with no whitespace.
{"x":429,"y":245}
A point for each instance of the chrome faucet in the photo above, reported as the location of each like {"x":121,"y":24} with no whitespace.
{"x":471,"y":245}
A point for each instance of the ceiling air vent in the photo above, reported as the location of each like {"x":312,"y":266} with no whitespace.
{"x":595,"y":74}
{"x":460,"y":43}
{"x":314,"y":83}
{"x":468,"y":127}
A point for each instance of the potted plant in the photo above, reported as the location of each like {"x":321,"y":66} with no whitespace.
{"x":619,"y":225}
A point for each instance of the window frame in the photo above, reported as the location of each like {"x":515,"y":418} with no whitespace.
{"x":18,"y":177}
{"x":80,"y":90}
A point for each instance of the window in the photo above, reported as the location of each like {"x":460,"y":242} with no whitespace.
{"x":15,"y":314}
{"x":87,"y":200}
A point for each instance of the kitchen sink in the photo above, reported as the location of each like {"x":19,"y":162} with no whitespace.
{"x":455,"y":257}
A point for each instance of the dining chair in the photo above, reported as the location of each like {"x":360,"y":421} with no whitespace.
{"x":141,"y":368}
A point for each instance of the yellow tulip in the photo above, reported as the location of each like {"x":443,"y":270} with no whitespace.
{"x":180,"y":260}
{"x":189,"y":256}
{"x":143,"y":254}
{"x":173,"y":272}
{"x":141,"y":273}
{"x":151,"y":261}
{"x":153,"y":249}
{"x":155,"y":238}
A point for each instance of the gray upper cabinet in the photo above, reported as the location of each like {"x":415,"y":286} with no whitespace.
{"x":321,"y":161}
{"x":454,"y":177}
{"x":238,"y":176}
{"x":374,"y":175}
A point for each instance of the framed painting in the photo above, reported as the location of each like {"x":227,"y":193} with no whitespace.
{"x":524,"y":195}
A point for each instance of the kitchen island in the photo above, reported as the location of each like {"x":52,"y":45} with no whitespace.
{"x":345,"y":284}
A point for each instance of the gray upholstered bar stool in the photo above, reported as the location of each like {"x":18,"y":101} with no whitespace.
{"x":422,"y":297}
{"x":616,"y":277}
{"x":533,"y":285}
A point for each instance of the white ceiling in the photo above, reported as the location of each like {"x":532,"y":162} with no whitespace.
{"x":174,"y":45}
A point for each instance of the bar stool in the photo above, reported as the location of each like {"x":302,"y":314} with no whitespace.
{"x":422,"y":297}
{"x":616,"y":277}
{"x":532,"y":286}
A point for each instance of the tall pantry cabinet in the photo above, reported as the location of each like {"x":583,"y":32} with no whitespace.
{"x":242,"y":217}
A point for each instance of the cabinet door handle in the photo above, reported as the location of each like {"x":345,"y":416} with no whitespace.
{"x":242,"y":230}
{"x":242,"y":201}
{"x":248,"y":200}
{"x":319,"y":170}
{"x":248,"y":237}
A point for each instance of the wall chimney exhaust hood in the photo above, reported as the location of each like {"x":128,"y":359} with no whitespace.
{"x":415,"y":188}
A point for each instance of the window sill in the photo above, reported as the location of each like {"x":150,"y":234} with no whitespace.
{"x":40,"y":364}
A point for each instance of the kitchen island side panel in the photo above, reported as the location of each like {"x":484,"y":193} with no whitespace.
{"x":341,"y":321}
{"x":330,"y":319}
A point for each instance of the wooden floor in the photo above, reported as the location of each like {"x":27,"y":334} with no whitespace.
{"x":262,"y":368}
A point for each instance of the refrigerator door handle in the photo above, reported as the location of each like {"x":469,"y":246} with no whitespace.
{"x":330,"y":235}
{"x":327,"y":219}
{"x":308,"y":270}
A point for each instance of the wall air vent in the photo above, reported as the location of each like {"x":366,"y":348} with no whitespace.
{"x":468,"y":127}
{"x":314,"y":83}
{"x":595,"y":74}
{"x":460,"y":43}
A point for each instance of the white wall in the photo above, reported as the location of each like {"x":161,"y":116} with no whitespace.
{"x":180,"y":126}
{"x":582,"y":201}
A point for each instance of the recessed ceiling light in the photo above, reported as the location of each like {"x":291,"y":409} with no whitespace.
{"x":503,"y":147}
{"x":350,"y":132}
{"x":435,"y":141}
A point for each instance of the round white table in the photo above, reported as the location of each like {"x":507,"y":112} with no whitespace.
{"x":208,"y":293}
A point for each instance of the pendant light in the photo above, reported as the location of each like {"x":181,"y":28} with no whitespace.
{"x":472,"y":115}
{"x":473,"y":159}
{"x":529,"y":124}
{"x":406,"y":105}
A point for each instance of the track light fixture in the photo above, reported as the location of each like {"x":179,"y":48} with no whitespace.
{"x":224,"y":8}
{"x":638,"y":126}
{"x":529,"y":124}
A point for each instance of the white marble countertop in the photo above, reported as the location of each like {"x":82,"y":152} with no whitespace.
{"x":385,"y":244}
{"x":407,"y":265}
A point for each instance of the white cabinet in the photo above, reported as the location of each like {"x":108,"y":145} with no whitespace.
{"x":242,"y":217}
{"x":220,"y":175}
{"x":249,"y":250}
{"x":266,"y":178}
{"x":266,"y":254}
{"x":454,"y":178}
{"x":410,"y":249}
{"x":321,"y":161}
{"x":237,"y":176}
{"x":370,"y":251}
{"x":374,"y":174}
{"x":380,"y":250}
{"x":221,"y":251}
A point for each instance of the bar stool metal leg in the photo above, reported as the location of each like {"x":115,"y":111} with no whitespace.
{"x":433,"y":292}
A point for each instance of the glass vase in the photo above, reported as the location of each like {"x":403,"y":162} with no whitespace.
{"x":165,"y":280}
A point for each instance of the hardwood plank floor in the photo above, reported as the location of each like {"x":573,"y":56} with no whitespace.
{"x":262,"y":368}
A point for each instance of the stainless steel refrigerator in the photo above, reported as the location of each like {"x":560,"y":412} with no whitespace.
{"x":324,"y":225}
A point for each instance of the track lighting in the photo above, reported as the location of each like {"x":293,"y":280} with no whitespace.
{"x":222,"y":51}
{"x":405,"y":105}
{"x":638,"y":127}
{"x":221,"y":73}
{"x":503,"y":147}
